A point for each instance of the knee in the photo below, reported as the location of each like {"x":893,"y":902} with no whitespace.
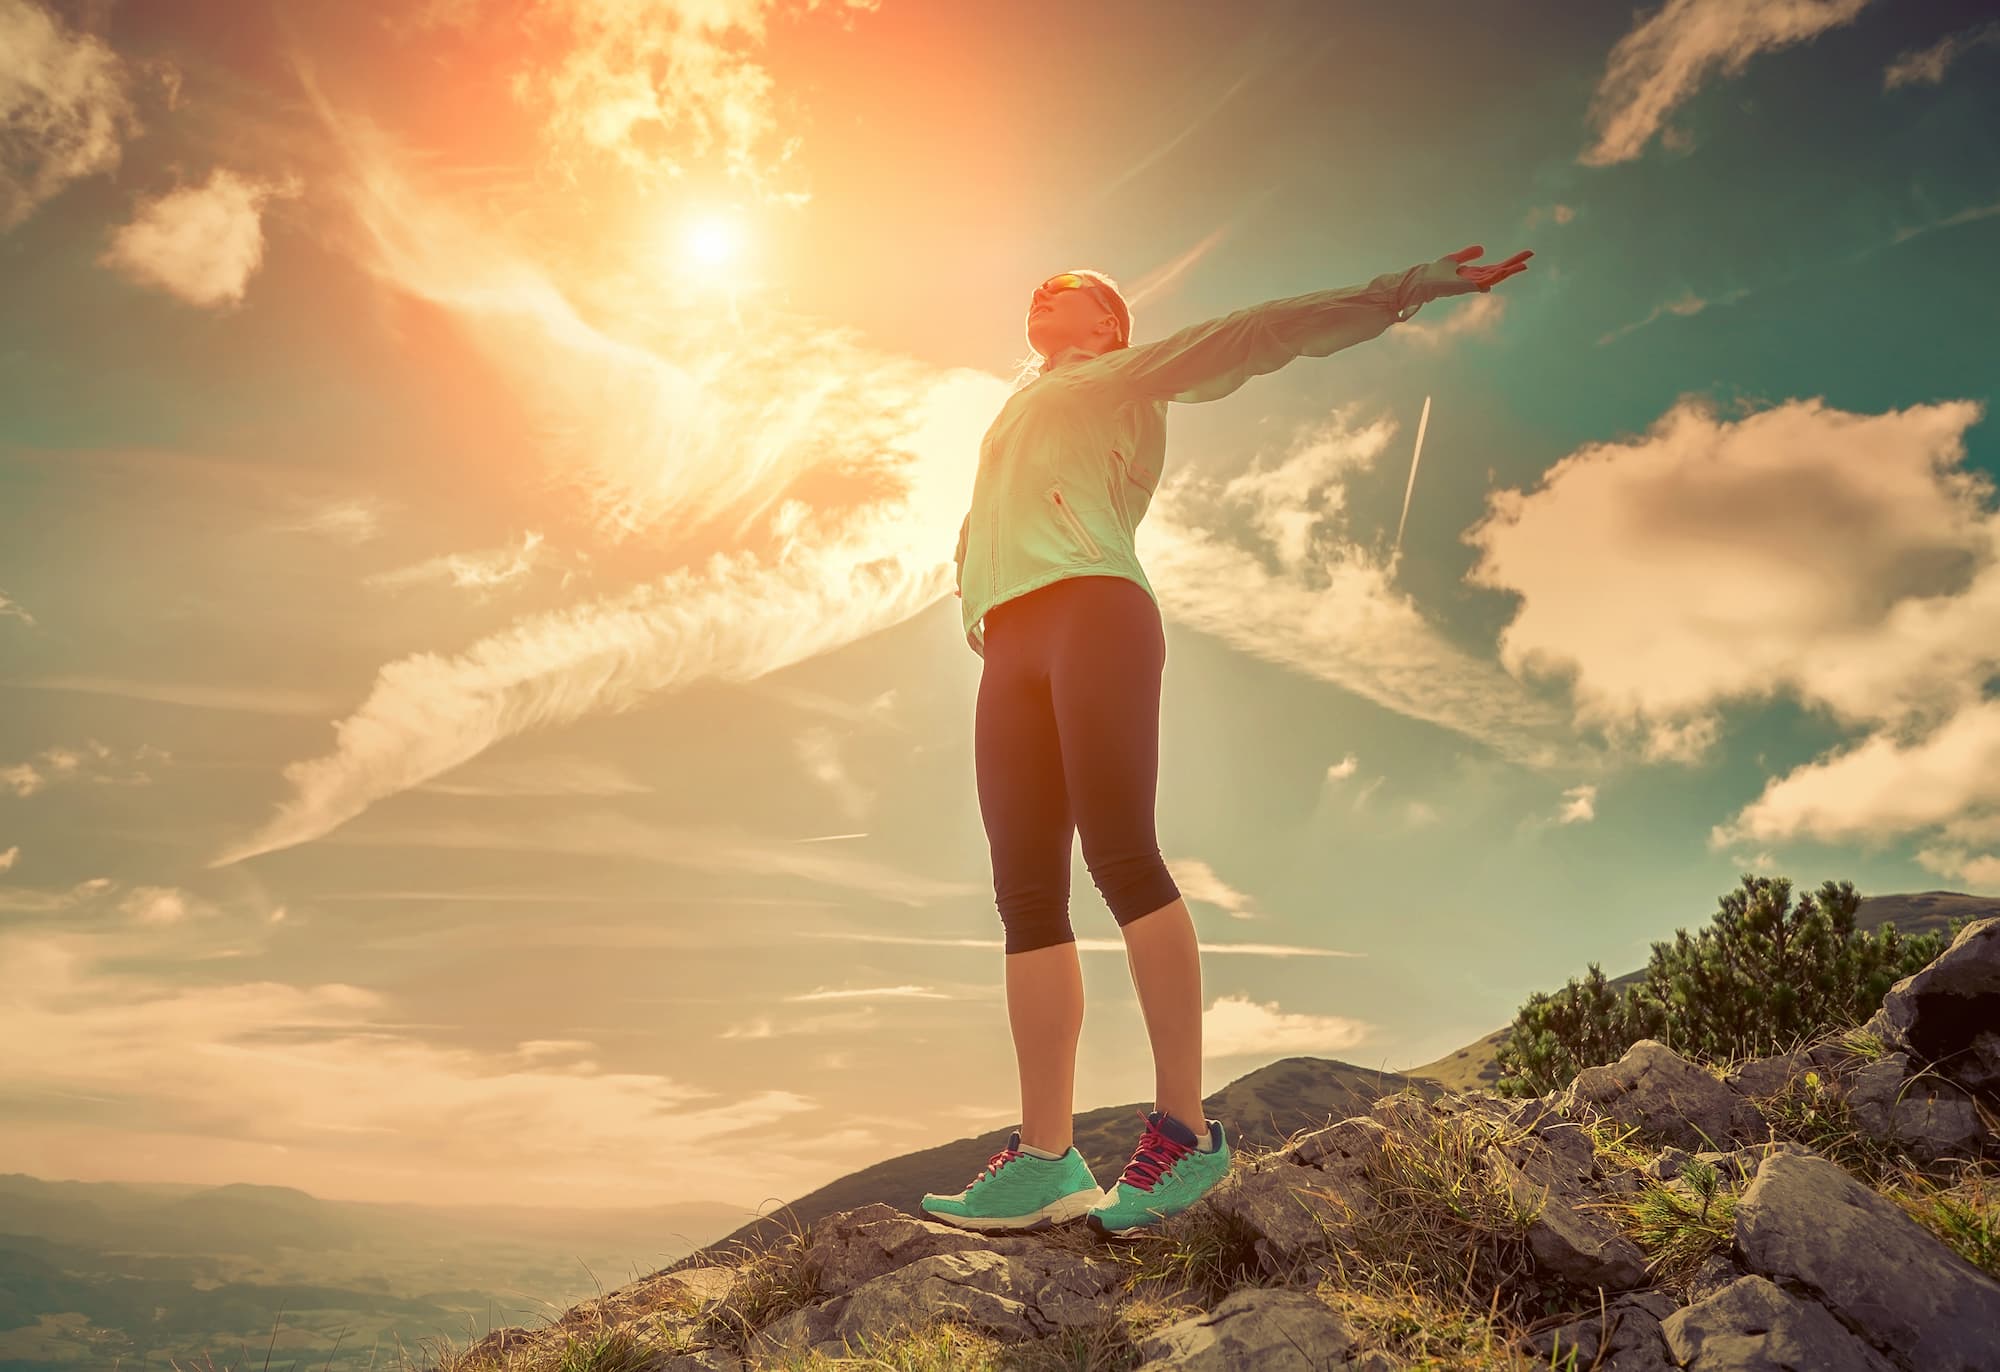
{"x":1035,"y":921}
{"x":1134,"y":887}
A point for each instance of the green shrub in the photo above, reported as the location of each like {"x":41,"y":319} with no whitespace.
{"x":1764,"y":976}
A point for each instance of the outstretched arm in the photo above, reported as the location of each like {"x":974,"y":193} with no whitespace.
{"x":1209,"y":360}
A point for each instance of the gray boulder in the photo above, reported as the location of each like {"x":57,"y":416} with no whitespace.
{"x":1260,"y":1327}
{"x":1805,"y":1223}
{"x":1012,"y":1296}
{"x":1752,"y":1326}
{"x":1667,"y":1099}
{"x":1626,"y":1338}
{"x":1947,"y":1014}
{"x":1927,"y":1117}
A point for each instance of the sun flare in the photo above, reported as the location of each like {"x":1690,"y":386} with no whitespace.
{"x":710,"y":240}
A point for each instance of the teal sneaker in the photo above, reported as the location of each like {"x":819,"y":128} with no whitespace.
{"x":1017,"y":1192}
{"x":1167,"y":1174}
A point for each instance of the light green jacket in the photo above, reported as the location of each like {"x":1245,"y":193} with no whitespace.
{"x":1069,"y":466}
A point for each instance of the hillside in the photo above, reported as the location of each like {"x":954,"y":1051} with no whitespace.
{"x":1264,"y":1108}
{"x":1476,"y":1067}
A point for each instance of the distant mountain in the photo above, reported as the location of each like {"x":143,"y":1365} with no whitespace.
{"x":1477,"y":1065}
{"x":1262,"y":1108}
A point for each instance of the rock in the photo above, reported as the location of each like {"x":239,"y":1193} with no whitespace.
{"x":1579,"y":1245}
{"x":853,"y":1247}
{"x":1626,"y":1338}
{"x":1715,"y":1272}
{"x":1947,"y":1014}
{"x":1927,"y":1117}
{"x":1806,"y":1223}
{"x":1752,"y":1326}
{"x":1668,"y":1164}
{"x":1348,"y":1146}
{"x":1770,"y":1076}
{"x":1666,"y":1098}
{"x":1012,"y":1296}
{"x":1253,"y":1327}
{"x":1292,"y":1209}
{"x":690,"y":1291}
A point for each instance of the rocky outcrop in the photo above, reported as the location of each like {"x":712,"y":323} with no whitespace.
{"x":1947,"y":1015}
{"x":1818,"y":1271}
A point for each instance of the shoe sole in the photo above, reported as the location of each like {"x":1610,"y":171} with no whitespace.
{"x":1059,"y":1211}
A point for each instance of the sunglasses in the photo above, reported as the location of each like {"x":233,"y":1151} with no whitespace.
{"x":1070,"y":281}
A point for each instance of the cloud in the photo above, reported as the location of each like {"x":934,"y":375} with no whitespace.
{"x":162,"y":905}
{"x":818,"y":750}
{"x":266,"y":1080}
{"x":261,"y":700}
{"x":64,"y":108}
{"x":1843,"y":558}
{"x":716,"y":848}
{"x":201,"y":243}
{"x":1198,"y":881}
{"x":23,"y":900}
{"x":1236,"y":1025}
{"x":1687,"y":304}
{"x":1927,"y":65}
{"x":1265,"y":562}
{"x":1554,"y":214}
{"x":1661,"y":63}
{"x":1342,"y":769}
{"x":479,"y":572}
{"x":92,"y":761}
{"x":9,"y":858}
{"x":1083,"y":945}
{"x":353,"y":520}
{"x":1580,"y":805}
{"x":10,"y":609}
{"x":654,"y":87}
{"x":1477,"y":317}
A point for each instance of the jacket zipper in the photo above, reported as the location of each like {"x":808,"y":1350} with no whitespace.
{"x":1075,"y":522}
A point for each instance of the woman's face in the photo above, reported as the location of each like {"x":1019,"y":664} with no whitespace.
{"x":1069,"y":319}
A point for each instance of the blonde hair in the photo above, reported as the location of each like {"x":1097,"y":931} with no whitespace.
{"x":1027,"y":368}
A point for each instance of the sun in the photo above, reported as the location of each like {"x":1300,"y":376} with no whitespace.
{"x":713,"y":239}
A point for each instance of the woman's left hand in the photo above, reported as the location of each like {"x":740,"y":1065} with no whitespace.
{"x":1488,"y":275}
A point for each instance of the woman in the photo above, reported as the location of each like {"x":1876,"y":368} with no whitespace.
{"x":1066,"y":737}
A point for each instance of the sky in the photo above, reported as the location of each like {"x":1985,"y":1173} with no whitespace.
{"x":483,"y":711}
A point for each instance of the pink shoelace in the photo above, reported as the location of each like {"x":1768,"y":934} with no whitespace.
{"x":1152,"y":1157}
{"x":997,"y":1161}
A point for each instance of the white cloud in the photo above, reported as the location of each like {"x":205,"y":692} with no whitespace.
{"x":10,"y":609}
{"x":161,"y":905}
{"x":9,"y":858}
{"x":92,"y":761}
{"x":201,"y":243}
{"x":1928,"y":65}
{"x":1686,"y":304}
{"x":356,"y":519}
{"x":1198,"y":881}
{"x":1236,"y":1025}
{"x":1330,"y":609}
{"x":197,"y":695}
{"x":1844,"y":558}
{"x":655,"y":86}
{"x":218,"y":1091}
{"x":1580,"y":805}
{"x":64,"y":108}
{"x":1476,"y":317}
{"x":1419,"y":813}
{"x":1660,"y":64}
{"x":1342,"y":769}
{"x":479,"y":572}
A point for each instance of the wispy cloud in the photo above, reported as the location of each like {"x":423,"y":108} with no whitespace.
{"x":1083,"y":944}
{"x":65,"y":108}
{"x":709,"y":848}
{"x":1237,"y":1025}
{"x":262,"y":700}
{"x":1928,"y":65}
{"x":1198,"y":881}
{"x":90,"y":761}
{"x":478,"y":572}
{"x":10,"y":609}
{"x":1687,"y":304}
{"x":220,"y":1093}
{"x":1660,"y":64}
{"x":9,"y":858}
{"x":1579,"y":805}
{"x":354,"y":519}
{"x":200,"y":243}
{"x":1330,"y":609}
{"x":1477,"y":317}
{"x":819,"y":752}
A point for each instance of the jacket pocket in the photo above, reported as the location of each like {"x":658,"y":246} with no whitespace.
{"x":1074,"y":522}
{"x":1138,"y":472}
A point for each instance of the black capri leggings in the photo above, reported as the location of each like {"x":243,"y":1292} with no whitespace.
{"x":1067,"y":739}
